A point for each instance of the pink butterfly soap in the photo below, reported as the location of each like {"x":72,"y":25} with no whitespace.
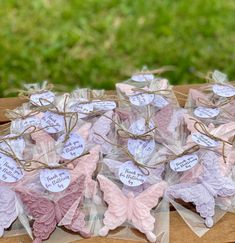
{"x":86,"y":165}
{"x":129,"y":208}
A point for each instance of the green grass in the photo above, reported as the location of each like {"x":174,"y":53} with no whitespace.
{"x":99,"y":42}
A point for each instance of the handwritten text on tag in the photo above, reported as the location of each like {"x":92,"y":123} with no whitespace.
{"x":131,"y":175}
{"x":9,"y":169}
{"x":184,"y":163}
{"x":52,"y":123}
{"x":141,"y":99}
{"x":42,"y":99}
{"x":204,"y":140}
{"x":73,"y":147}
{"x":224,"y":90}
{"x":104,"y":105}
{"x":55,"y":180}
{"x":159,"y":101}
{"x":204,"y":112}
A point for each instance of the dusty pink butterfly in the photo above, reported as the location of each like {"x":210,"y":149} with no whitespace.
{"x":48,"y":213}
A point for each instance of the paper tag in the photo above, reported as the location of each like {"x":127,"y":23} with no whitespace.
{"x":184,"y":163}
{"x":204,"y":140}
{"x":204,"y":112}
{"x":73,"y":147}
{"x":82,"y":109}
{"x":141,"y":148}
{"x":20,"y":125}
{"x":105,"y":105}
{"x":9,"y":169}
{"x":223,"y":90}
{"x":142,"y":77}
{"x":52,"y":123}
{"x":55,"y":180}
{"x":17,"y":145}
{"x":219,"y":76}
{"x":159,"y":101}
{"x":45,"y":98}
{"x":131,"y":175}
{"x":141,"y":99}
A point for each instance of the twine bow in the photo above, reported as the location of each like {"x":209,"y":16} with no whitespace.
{"x":126,"y":134}
{"x":29,"y":164}
{"x":201,"y":128}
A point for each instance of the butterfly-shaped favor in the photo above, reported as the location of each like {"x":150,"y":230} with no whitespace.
{"x":47,"y":213}
{"x":102,"y":127}
{"x":86,"y":165}
{"x":203,"y":192}
{"x":129,"y":208}
{"x":8,"y":211}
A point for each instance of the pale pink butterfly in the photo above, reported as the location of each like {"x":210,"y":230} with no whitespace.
{"x":100,"y":129}
{"x":86,"y":165}
{"x":123,"y":208}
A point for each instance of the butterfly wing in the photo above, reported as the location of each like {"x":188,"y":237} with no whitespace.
{"x":144,"y":202}
{"x":116,"y":212}
{"x":197,"y":194}
{"x":40,"y":136}
{"x":224,"y":131}
{"x":141,"y":207}
{"x":197,"y":95}
{"x":8,"y":212}
{"x":69,"y":207}
{"x":163,"y":119}
{"x":86,"y":165}
{"x":221,"y":185}
{"x":84,"y":130}
{"x":43,"y":212}
{"x":102,"y":127}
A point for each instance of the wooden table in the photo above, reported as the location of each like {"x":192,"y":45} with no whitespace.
{"x":223,"y":231}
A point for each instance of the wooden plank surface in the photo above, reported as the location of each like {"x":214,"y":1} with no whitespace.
{"x":223,"y":231}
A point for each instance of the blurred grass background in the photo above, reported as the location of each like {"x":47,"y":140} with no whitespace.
{"x":99,"y":42}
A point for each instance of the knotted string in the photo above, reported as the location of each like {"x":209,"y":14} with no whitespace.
{"x":13,"y":115}
{"x":201,"y":128}
{"x":28,"y":165}
{"x":126,"y":134}
{"x":188,"y":151}
{"x":142,"y":167}
{"x":218,"y":105}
